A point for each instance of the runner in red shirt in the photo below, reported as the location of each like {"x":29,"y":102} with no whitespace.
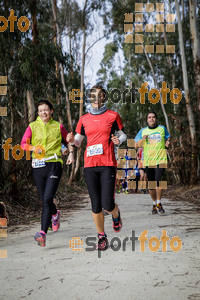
{"x":99,"y":126}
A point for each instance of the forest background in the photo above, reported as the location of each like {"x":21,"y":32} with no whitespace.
{"x":38,"y":66}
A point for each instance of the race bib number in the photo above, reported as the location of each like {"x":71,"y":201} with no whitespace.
{"x":38,"y":163}
{"x":155,"y":138}
{"x":94,"y":150}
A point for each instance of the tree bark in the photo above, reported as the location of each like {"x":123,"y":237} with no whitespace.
{"x":12,"y":128}
{"x":78,"y":157}
{"x":70,"y":127}
{"x":31,"y":106}
{"x":156,"y":84}
{"x":35,"y":34}
{"x":195,"y":48}
{"x":58,"y":95}
{"x":190,"y":114}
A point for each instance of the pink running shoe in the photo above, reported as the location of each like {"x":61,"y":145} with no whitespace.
{"x":56,"y":221}
{"x":40,"y":237}
{"x":117,"y":224}
{"x":102,"y":243}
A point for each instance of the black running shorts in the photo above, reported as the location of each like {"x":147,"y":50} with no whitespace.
{"x":47,"y":180}
{"x":101,"y":187}
{"x":155,"y":174}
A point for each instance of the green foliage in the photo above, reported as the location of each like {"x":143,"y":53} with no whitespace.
{"x":30,"y":66}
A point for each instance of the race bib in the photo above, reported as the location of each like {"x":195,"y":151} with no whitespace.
{"x":38,"y":163}
{"x":94,"y":150}
{"x":155,"y":138}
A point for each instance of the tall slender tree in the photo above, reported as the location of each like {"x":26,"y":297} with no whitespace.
{"x":190,"y":113}
{"x":195,"y":47}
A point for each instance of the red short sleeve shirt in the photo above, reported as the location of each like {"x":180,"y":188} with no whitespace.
{"x":98,"y":130}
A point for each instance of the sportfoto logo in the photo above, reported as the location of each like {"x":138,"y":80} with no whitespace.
{"x":148,"y":11}
{"x":18,"y":151}
{"x":22,"y":24}
{"x":153,"y":244}
{"x":115,"y":95}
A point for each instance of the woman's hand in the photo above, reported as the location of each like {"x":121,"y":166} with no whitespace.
{"x":70,"y":158}
{"x":167,"y":143}
{"x":70,"y":138}
{"x":65,"y":152}
{"x":115,"y":139}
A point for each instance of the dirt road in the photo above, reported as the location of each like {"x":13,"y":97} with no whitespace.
{"x":58,"y":272}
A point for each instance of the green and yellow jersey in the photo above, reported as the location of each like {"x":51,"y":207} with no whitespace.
{"x":154,"y":146}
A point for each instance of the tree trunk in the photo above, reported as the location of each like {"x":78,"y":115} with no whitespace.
{"x":183,"y":9}
{"x":33,"y":6}
{"x":82,"y":87}
{"x":190,"y":114}
{"x":170,"y":63}
{"x":13,"y":161}
{"x":31,"y":106}
{"x":29,"y":93}
{"x":58,"y":95}
{"x":195,"y":48}
{"x":82,"y":71}
{"x":70,"y":127}
{"x":70,"y":49}
{"x":156,"y":84}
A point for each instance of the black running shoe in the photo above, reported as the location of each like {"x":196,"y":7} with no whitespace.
{"x":154,"y":210}
{"x":160,"y":209}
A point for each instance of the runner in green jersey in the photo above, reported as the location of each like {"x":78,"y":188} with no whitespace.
{"x":153,"y":139}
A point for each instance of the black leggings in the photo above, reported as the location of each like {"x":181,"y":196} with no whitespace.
{"x":47,"y":181}
{"x":154,"y":174}
{"x":101,"y":187}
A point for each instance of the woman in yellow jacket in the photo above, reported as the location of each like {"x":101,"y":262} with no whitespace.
{"x":44,"y":137}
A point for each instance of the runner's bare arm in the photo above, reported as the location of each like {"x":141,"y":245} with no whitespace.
{"x":140,"y":143}
{"x":70,"y":158}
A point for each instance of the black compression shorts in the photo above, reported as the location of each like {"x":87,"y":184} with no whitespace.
{"x":101,"y":187}
{"x":154,"y":174}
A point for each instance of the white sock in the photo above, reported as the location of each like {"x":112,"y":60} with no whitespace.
{"x":158,"y":201}
{"x":154,"y":202}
